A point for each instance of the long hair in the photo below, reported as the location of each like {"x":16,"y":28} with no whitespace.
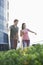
{"x":23,"y":26}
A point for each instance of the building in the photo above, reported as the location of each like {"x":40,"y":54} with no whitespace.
{"x":4,"y":18}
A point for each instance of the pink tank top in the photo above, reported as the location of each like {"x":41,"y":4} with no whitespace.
{"x":25,"y":34}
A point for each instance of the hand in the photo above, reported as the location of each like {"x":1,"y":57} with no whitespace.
{"x":18,"y":41}
{"x":35,"y":33}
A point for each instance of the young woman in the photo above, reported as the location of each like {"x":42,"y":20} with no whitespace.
{"x":24,"y":35}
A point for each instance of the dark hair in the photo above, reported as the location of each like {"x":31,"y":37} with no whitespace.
{"x":15,"y":20}
{"x":23,"y":26}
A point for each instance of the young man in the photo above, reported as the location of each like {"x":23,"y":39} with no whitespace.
{"x":14,"y":34}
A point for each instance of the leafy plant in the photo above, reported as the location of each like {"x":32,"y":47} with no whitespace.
{"x":32,"y":55}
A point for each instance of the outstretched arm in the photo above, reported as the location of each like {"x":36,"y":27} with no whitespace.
{"x":32,"y":31}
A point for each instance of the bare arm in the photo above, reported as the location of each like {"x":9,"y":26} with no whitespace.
{"x":32,"y":31}
{"x":21,"y":33}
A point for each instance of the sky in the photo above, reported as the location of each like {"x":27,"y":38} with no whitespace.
{"x":29,"y":12}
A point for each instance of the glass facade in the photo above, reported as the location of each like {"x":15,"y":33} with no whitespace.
{"x":2,"y":3}
{"x":3,"y":20}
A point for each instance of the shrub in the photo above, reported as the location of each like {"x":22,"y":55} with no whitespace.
{"x":29,"y":56}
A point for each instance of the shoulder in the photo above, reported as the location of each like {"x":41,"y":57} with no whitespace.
{"x":11,"y":26}
{"x":17,"y":27}
{"x":21,"y":31}
{"x":27,"y":29}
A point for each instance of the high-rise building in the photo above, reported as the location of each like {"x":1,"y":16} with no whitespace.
{"x":4,"y":18}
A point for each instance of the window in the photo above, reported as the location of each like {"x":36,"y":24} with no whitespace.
{"x":1,"y":22}
{"x":1,"y":11}
{"x":7,"y":16}
{"x":2,"y":3}
{"x":2,"y":27}
{"x":2,"y":18}
{"x":5,"y":37}
{"x":7,"y":4}
{"x":1,"y":34}
{"x":1,"y":37}
{"x":1,"y":40}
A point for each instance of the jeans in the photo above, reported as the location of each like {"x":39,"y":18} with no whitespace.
{"x":26,"y":43}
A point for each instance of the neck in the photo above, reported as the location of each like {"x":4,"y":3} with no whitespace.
{"x":15,"y":25}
